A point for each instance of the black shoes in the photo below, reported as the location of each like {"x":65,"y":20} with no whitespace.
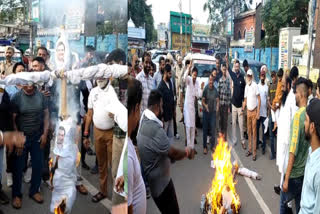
{"x":94,"y":170}
{"x":4,"y":199}
{"x":90,"y":152}
{"x":85,"y":166}
{"x":277,"y":189}
{"x":245,"y":135}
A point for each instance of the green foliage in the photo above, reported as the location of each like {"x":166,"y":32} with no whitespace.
{"x":217,"y":8}
{"x":277,"y":14}
{"x":12,"y":10}
{"x":115,"y":18}
{"x":141,"y":14}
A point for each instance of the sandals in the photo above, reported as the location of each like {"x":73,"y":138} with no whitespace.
{"x":37,"y":198}
{"x":98,"y":197}
{"x":205,"y":151}
{"x":254,"y":158}
{"x":16,"y":203}
{"x":248,"y":154}
{"x":82,"y":189}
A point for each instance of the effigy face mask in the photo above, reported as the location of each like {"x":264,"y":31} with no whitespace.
{"x":65,"y":138}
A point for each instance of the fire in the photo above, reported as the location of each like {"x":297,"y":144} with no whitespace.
{"x":51,"y":167}
{"x":223,"y":179}
{"x":60,"y":209}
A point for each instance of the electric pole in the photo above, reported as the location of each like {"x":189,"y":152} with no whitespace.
{"x":312,"y":7}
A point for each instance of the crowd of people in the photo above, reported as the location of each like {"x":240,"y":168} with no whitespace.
{"x":30,"y":112}
{"x":286,"y":105}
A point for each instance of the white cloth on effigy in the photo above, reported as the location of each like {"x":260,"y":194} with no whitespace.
{"x":96,"y":71}
{"x":115,"y":107}
{"x":248,"y":173}
{"x":24,"y":78}
{"x":65,"y":175}
{"x":287,"y":112}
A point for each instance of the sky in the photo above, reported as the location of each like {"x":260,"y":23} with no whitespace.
{"x":161,"y":10}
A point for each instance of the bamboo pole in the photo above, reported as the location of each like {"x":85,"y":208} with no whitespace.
{"x":63,"y":97}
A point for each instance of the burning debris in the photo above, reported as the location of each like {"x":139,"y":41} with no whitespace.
{"x":61,"y":208}
{"x":222,"y":196}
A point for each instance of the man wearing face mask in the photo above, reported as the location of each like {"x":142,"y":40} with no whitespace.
{"x":103,"y":131}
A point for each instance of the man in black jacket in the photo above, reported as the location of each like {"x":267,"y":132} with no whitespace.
{"x":166,"y":88}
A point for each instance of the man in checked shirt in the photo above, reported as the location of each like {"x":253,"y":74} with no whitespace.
{"x":224,"y":99}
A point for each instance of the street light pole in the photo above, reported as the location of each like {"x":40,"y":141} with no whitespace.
{"x":312,"y":7}
{"x":31,"y":27}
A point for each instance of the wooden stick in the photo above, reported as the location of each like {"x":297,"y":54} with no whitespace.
{"x":64,"y":107}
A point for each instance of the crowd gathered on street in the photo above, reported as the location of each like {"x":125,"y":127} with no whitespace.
{"x":284,"y":108}
{"x":30,"y":113}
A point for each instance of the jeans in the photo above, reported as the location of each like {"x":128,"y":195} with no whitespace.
{"x":272,"y":137}
{"x":167,"y":202}
{"x":261,"y":122}
{"x":209,"y":122}
{"x":32,"y":145}
{"x":223,"y":123}
{"x":169,"y":129}
{"x":294,"y":192}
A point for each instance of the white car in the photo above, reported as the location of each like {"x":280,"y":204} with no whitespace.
{"x":205,"y":64}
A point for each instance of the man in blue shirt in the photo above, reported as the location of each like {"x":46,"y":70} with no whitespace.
{"x":310,"y":196}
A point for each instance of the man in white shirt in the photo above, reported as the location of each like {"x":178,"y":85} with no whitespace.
{"x":252,"y":102}
{"x":103,"y":130}
{"x":263,"y":91}
{"x":146,"y":80}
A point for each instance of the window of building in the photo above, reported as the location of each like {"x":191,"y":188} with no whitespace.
{"x":244,"y":33}
{"x":239,"y":34}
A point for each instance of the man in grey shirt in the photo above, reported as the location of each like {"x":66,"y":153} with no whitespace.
{"x":156,"y":155}
{"x":30,"y":116}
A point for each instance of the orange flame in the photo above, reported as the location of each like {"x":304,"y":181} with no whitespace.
{"x":61,"y":207}
{"x":223,"y":178}
{"x":50,"y":167}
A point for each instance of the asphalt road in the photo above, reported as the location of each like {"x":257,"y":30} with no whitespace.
{"x":192,"y":178}
{"x":82,"y":205}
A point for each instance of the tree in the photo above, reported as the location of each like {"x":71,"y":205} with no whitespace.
{"x":217,"y":8}
{"x":141,"y":15}
{"x":13,"y":10}
{"x":277,"y":14}
{"x":113,"y":18}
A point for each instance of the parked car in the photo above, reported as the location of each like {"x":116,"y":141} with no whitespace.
{"x":205,"y":64}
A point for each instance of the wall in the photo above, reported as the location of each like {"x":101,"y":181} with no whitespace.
{"x":262,"y":55}
{"x":107,"y":44}
{"x":242,"y":24}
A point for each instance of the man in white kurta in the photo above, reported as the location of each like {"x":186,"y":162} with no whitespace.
{"x":193,"y":91}
{"x":287,"y":112}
